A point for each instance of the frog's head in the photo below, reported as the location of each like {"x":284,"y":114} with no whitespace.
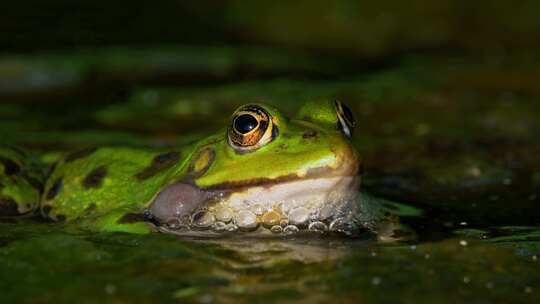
{"x":269,"y":169}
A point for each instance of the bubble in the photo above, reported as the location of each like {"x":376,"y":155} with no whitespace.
{"x":276,"y":229}
{"x":231,"y":227}
{"x":271,"y":218}
{"x":299,"y":216}
{"x":246,"y":220}
{"x":341,"y":225}
{"x":290,"y":229}
{"x":463,"y":243}
{"x":219,"y":226}
{"x":223,"y":214}
{"x":318,"y":227}
{"x":203,"y":219}
{"x":257,"y":209}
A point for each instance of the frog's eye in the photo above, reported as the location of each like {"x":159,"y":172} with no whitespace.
{"x":345,"y":117}
{"x":251,"y":128}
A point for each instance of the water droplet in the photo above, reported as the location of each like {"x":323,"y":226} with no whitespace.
{"x":507,"y":181}
{"x":463,"y":243}
{"x":299,"y":216}
{"x":489,"y":285}
{"x":203,"y":219}
{"x":373,"y":254}
{"x":466,"y":280}
{"x":427,"y":256}
{"x":318,"y":227}
{"x":413,"y":247}
{"x":290,"y":229}
{"x":528,"y":289}
{"x":246,"y":220}
{"x":223,"y":214}
{"x":376,"y":281}
{"x":271,"y":218}
{"x":276,"y":229}
{"x":534,"y":258}
{"x":463,"y":223}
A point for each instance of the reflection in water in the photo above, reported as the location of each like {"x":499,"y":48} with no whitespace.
{"x":260,"y":251}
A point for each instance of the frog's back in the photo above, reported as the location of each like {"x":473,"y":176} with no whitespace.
{"x":95,"y":181}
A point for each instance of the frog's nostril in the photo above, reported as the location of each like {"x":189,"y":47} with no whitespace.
{"x":309,"y":134}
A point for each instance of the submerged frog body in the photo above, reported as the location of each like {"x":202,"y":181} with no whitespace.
{"x":264,"y":173}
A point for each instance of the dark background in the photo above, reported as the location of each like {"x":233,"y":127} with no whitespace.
{"x":361,"y":28}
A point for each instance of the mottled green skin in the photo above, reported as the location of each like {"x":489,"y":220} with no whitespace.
{"x":105,"y":202}
{"x":20,"y":183}
{"x":108,"y":188}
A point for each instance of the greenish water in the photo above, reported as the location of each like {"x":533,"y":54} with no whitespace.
{"x":454,"y":136}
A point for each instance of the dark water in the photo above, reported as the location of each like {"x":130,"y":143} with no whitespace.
{"x":453,"y":136}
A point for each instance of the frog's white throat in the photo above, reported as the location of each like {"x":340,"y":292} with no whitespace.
{"x":318,"y":198}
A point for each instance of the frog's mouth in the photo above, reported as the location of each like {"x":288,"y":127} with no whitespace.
{"x":320,"y":199}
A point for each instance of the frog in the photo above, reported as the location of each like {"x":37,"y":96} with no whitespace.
{"x":263,"y":173}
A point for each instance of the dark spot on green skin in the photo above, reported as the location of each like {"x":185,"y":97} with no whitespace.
{"x":46,"y":210}
{"x":95,"y":177}
{"x":51,"y":169}
{"x":160,"y":163}
{"x":10,"y":167}
{"x":79,"y":154}
{"x":34,"y":182}
{"x":8,"y":207}
{"x":129,"y":218}
{"x":307,"y":118}
{"x":309,"y":134}
{"x":55,"y":189}
{"x":211,"y":158}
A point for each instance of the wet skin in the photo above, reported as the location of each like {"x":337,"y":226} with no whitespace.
{"x":264,"y":172}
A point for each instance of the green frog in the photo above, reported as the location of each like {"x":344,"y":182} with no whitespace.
{"x":263,"y":173}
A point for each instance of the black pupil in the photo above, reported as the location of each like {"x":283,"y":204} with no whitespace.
{"x":245,"y":123}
